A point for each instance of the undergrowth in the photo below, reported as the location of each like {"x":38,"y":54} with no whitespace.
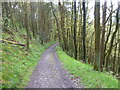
{"x":17,"y":63}
{"x":89,"y":77}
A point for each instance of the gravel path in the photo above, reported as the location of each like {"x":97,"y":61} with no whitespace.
{"x":50,"y":74}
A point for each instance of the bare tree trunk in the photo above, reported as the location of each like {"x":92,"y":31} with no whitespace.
{"x":75,"y":30}
{"x":26,"y":25}
{"x":71,"y":34}
{"x":61,"y":8}
{"x":102,"y":51}
{"x":41,"y":21}
{"x":118,"y":60}
{"x":84,"y":31}
{"x":80,"y":32}
{"x":97,"y":34}
{"x":32,"y":18}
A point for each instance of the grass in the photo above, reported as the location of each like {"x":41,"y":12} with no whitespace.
{"x":89,"y":77}
{"x":17,"y":63}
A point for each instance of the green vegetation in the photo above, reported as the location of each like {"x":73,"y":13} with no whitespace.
{"x":85,"y":32}
{"x":89,"y":77}
{"x":17,"y":63}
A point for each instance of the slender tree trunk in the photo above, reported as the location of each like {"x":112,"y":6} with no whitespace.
{"x":80,"y":32}
{"x":61,"y":8}
{"x":97,"y":34}
{"x":71,"y":34}
{"x":26,"y":25}
{"x":84,"y":31}
{"x":118,"y":59}
{"x":75,"y":30}
{"x":41,"y":21}
{"x":32,"y":18}
{"x":102,"y":51}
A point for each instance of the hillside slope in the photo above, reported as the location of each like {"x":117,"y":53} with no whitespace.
{"x":89,"y":77}
{"x":17,"y":63}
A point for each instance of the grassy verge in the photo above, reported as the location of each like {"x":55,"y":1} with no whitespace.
{"x":89,"y":77}
{"x":17,"y":63}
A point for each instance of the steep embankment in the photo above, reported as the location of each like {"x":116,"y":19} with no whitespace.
{"x":17,"y":63}
{"x":89,"y":77}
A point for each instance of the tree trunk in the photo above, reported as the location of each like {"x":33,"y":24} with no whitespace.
{"x":26,"y":25}
{"x":84,"y":31}
{"x":97,"y":34}
{"x":57,"y":23}
{"x":32,"y":18}
{"x":75,"y":30}
{"x":102,"y":51}
{"x":61,"y":8}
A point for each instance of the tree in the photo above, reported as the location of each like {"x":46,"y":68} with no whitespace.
{"x":32,"y":18}
{"x":62,"y":21}
{"x":84,"y":31}
{"x":97,"y":34}
{"x":78,"y":35}
{"x":27,"y":25}
{"x":113,"y":36}
{"x":80,"y":50}
{"x":41,"y":20}
{"x":5,"y":15}
{"x":110,"y":27}
{"x":102,"y":46}
{"x":57,"y":23}
{"x":75,"y":30}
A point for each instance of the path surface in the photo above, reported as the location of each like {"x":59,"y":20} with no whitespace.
{"x":50,"y":74}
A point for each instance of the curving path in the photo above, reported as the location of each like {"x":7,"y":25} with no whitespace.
{"x":50,"y":74}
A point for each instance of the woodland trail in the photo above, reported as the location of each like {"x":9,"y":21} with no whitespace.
{"x":50,"y":74}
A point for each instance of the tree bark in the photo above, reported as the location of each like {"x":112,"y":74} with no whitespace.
{"x":84,"y":31}
{"x":75,"y":30}
{"x":26,"y":25}
{"x":61,"y":8}
{"x":97,"y":34}
{"x":32,"y":18}
{"x":102,"y":51}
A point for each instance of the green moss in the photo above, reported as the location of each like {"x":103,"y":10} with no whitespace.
{"x":89,"y":77}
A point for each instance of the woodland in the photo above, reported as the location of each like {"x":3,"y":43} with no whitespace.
{"x":85,"y":30}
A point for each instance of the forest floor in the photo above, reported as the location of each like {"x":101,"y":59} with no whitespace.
{"x":50,"y":74}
